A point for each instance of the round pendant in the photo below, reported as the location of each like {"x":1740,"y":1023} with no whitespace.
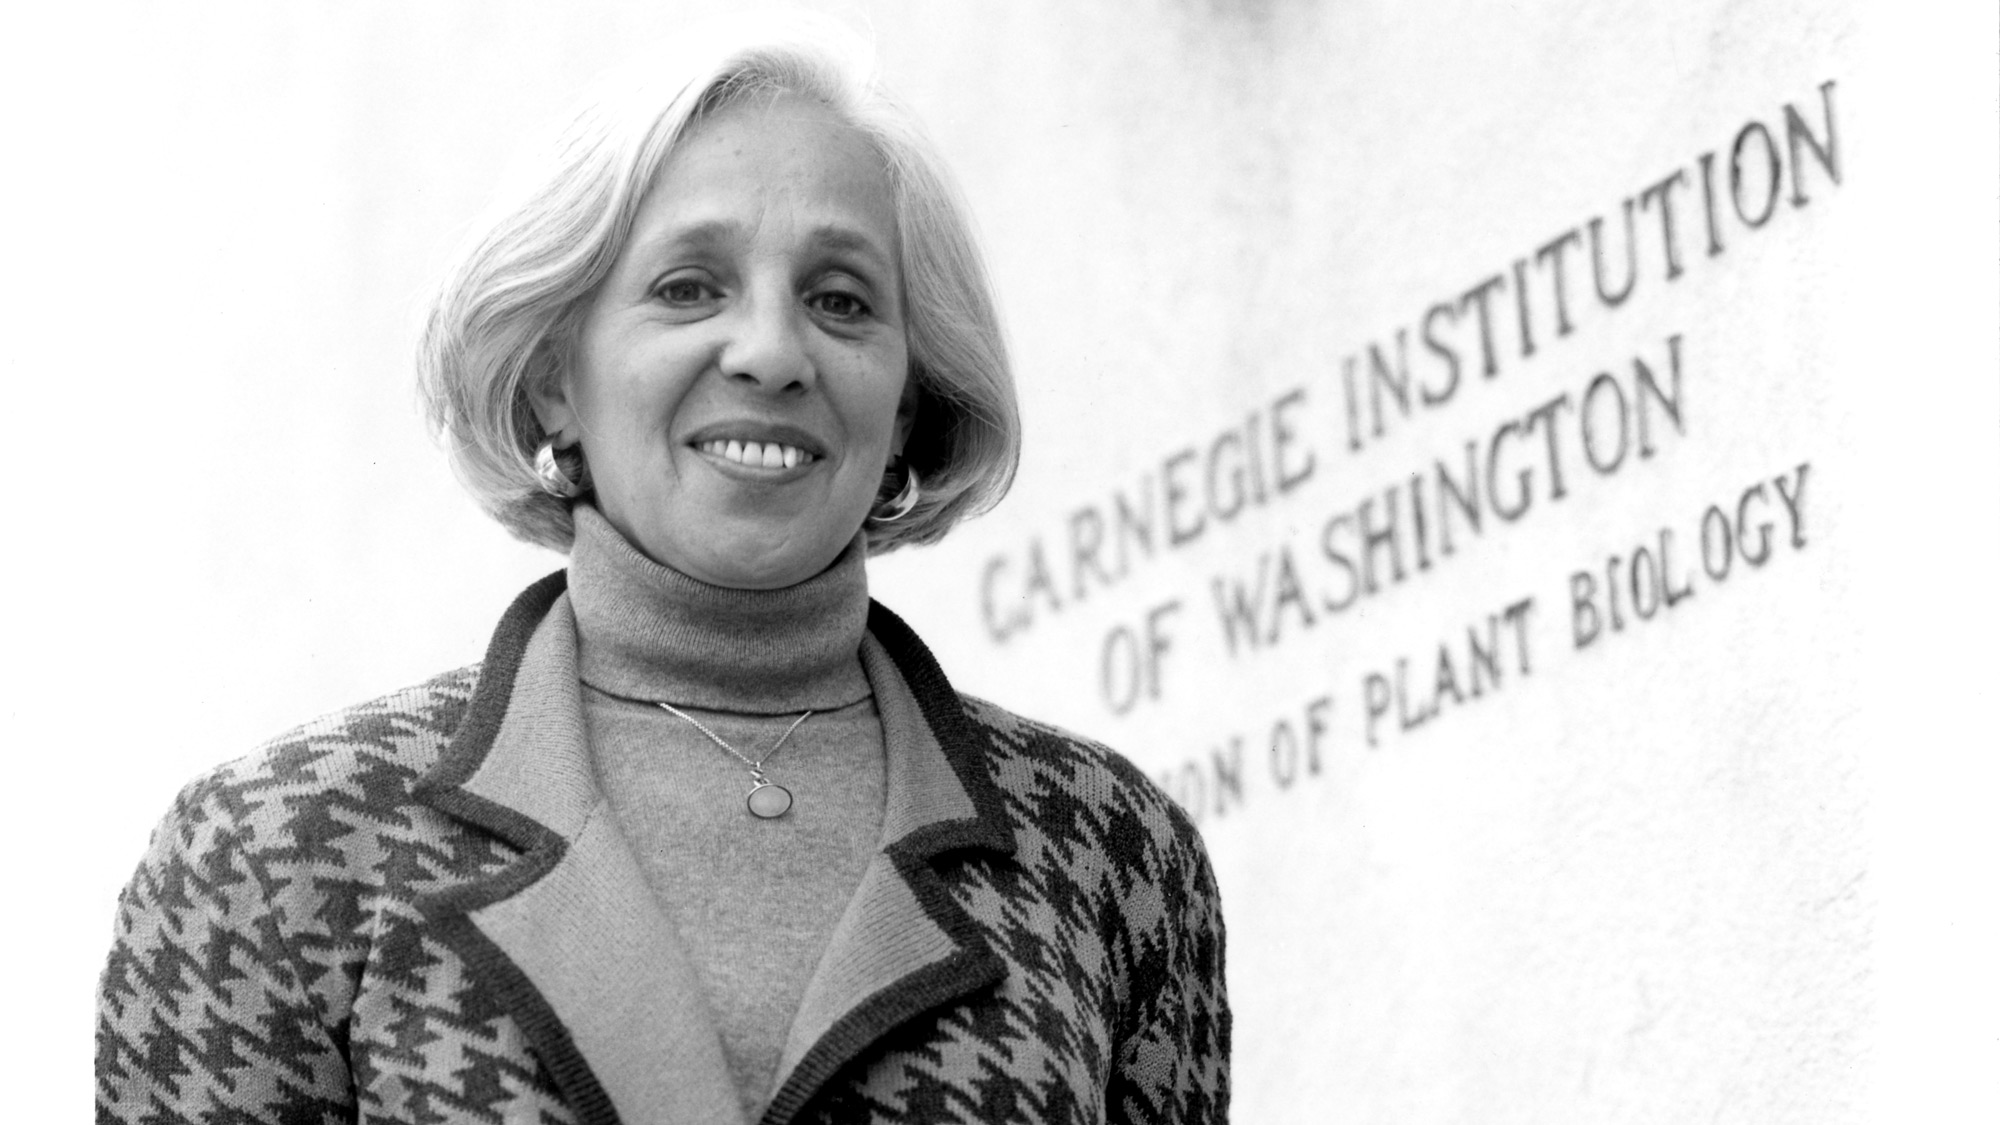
{"x":769,"y":801}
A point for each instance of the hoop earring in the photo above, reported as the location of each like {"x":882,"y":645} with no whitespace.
{"x":903,"y":501}
{"x":550,"y":475}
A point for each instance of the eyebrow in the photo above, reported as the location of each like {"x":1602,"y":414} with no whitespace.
{"x":825,"y":236}
{"x":853,"y":241}
{"x":713,"y":232}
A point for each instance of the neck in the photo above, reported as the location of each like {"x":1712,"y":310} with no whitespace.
{"x":647,"y":631}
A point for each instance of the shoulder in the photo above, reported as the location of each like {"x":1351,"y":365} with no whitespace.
{"x":275,"y":871}
{"x":1054,"y":777}
{"x":1090,"y":825}
{"x":364,"y":760}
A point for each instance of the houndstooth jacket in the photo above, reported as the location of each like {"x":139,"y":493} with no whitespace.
{"x":418,"y":910}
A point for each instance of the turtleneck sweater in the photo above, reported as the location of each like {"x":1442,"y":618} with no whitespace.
{"x":754,"y":900}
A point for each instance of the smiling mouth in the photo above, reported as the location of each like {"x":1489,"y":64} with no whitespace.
{"x":758,"y":454}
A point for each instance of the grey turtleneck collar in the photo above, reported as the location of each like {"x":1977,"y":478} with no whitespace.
{"x":649,"y":632}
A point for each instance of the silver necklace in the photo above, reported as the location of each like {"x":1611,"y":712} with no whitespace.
{"x":767,"y":800}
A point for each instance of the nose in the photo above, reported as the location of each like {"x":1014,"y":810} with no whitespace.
{"x":766,"y":345}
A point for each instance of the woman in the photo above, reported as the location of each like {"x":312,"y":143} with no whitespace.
{"x":707,"y":836}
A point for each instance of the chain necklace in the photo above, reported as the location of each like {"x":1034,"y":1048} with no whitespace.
{"x":767,"y":800}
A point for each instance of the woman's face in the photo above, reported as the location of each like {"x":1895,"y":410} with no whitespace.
{"x":738,"y":383}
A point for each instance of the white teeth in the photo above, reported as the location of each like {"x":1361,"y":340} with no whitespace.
{"x":763,"y":454}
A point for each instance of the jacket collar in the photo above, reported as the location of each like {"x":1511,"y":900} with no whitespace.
{"x":569,"y":938}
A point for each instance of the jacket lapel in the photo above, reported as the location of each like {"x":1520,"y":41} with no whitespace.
{"x":904,"y":945}
{"x":568,"y":935}
{"x":569,"y":939}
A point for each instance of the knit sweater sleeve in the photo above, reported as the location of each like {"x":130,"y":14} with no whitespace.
{"x":202,"y":1013}
{"x":1173,"y":1063}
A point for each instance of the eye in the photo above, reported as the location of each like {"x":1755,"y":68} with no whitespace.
{"x":838,"y":304}
{"x":684,"y":291}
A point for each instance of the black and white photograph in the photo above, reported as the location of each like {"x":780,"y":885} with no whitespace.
{"x":1157,"y":561}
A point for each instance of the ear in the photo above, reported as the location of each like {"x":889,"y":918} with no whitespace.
{"x":550,"y":400}
{"x":906,"y":414}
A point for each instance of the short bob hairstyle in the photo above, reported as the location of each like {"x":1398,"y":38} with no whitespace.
{"x":506,"y":317}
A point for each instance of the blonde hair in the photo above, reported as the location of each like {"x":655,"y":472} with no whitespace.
{"x":506,"y":316}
